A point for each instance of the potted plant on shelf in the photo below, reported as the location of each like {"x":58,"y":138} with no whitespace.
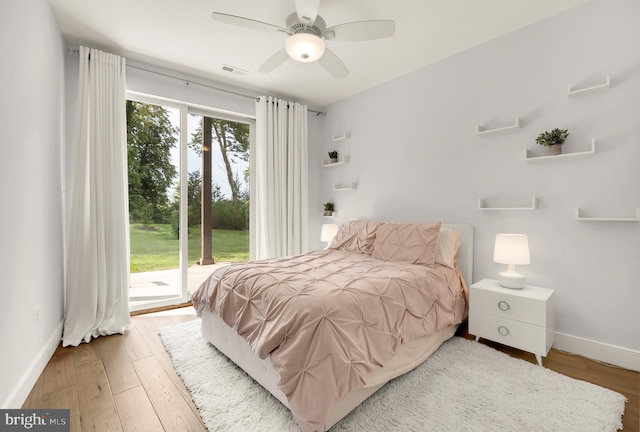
{"x":328,"y":209}
{"x":333,"y":156}
{"x":553,"y":140}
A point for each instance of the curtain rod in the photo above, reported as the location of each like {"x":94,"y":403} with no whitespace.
{"x":76,"y":51}
{"x":189,"y":82}
{"x":318,"y":113}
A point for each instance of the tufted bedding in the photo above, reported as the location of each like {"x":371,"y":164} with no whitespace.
{"x":330,"y":318}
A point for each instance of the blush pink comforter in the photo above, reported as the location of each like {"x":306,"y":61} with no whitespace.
{"x":329,"y":317}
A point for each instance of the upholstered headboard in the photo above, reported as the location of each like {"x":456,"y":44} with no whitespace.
{"x":465,"y":254}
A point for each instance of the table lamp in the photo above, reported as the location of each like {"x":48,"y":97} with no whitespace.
{"x":328,"y":232}
{"x":511,"y":249}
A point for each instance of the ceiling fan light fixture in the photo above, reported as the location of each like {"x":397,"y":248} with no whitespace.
{"x":304,"y":47}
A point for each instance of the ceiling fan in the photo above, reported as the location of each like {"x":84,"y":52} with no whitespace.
{"x":307,"y":34}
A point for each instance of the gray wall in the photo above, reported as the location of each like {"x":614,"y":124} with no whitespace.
{"x":416,"y":157}
{"x":31,"y":227}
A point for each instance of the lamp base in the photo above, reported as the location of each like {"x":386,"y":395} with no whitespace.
{"x":511,"y":280}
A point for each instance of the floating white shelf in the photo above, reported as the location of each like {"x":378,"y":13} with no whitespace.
{"x":529,"y":156}
{"x":333,"y":215}
{"x":635,"y":219}
{"x":343,"y":137}
{"x":341,"y":187}
{"x":481,"y":131}
{"x":342,"y":161}
{"x":591,"y":89}
{"x":482,"y":206}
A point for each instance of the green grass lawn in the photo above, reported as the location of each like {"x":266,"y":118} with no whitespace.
{"x":155,"y":248}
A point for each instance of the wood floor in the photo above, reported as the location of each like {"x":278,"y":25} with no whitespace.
{"x":127,"y":383}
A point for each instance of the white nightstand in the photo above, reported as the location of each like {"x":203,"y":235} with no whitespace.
{"x":521,"y":318}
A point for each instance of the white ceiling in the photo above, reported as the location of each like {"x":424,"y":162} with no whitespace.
{"x":180,"y":34}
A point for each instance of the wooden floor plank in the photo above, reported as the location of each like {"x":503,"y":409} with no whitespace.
{"x":149,"y":327}
{"x":136,"y":412}
{"x":95,"y":401}
{"x":65,"y":398}
{"x":173,"y":411}
{"x":567,"y":364}
{"x":61,"y":371}
{"x":116,"y":363}
{"x":83,"y":353}
{"x":134,"y":344}
{"x":618,"y":379}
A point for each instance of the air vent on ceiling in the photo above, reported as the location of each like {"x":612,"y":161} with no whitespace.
{"x":233,"y":70}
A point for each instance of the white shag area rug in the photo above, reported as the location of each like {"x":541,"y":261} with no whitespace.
{"x":464,"y":386}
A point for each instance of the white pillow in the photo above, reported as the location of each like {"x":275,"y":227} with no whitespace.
{"x":448,"y":244}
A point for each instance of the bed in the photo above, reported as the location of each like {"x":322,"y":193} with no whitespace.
{"x":323,"y":331}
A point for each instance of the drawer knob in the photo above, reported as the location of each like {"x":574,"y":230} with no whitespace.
{"x":503,"y":306}
{"x":503,"y":331}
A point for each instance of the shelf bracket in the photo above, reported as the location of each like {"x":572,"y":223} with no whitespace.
{"x":591,"y":89}
{"x":529,"y":156}
{"x":635,"y":219}
{"x":481,"y":131}
{"x":342,"y":161}
{"x":344,"y":136}
{"x":348,"y":186}
{"x":482,"y":206}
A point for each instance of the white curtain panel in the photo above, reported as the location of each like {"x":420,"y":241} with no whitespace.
{"x":281,"y":179}
{"x":98,"y":249}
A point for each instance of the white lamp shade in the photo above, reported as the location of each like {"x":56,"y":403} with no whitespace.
{"x":304,"y":47}
{"x":328,"y":232}
{"x":511,"y":249}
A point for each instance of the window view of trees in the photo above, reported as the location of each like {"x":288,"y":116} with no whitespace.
{"x":154,"y":192}
{"x":150,"y":138}
{"x":233,"y":143}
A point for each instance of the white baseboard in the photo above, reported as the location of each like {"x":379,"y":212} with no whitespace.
{"x":615,"y":355}
{"x":19,"y":394}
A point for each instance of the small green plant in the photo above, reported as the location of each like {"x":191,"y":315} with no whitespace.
{"x":555,"y":137}
{"x":328,"y":206}
{"x":333,"y":154}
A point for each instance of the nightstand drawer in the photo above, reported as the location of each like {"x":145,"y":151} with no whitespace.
{"x":528,"y":337}
{"x":512,"y":306}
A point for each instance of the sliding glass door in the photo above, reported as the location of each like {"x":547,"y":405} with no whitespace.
{"x":178,"y":238}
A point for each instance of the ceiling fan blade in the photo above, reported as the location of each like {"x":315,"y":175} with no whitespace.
{"x":274,"y":61}
{"x":361,"y":30}
{"x":333,"y":64}
{"x":246,"y":22}
{"x":307,"y":11}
